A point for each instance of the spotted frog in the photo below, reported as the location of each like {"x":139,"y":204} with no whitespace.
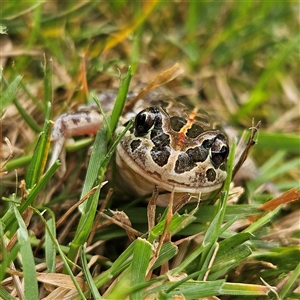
{"x":169,"y":146}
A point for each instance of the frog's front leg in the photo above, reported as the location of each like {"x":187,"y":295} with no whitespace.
{"x":73,"y":124}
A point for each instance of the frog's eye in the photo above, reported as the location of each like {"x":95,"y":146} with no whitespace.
{"x":219,"y":156}
{"x":219,"y":151}
{"x":144,"y":121}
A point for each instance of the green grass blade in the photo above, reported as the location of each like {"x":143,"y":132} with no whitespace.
{"x":260,"y":223}
{"x":88,"y":275}
{"x":108,"y":156}
{"x":38,"y":161}
{"x":214,"y":230}
{"x":85,"y":225}
{"x":18,"y":162}
{"x":39,"y":186}
{"x":278,"y":141}
{"x":8,"y":219}
{"x":139,"y":264}
{"x":97,"y":167}
{"x":99,"y":151}
{"x":189,"y":260}
{"x":30,"y":279}
{"x":178,"y":223}
{"x":258,"y":95}
{"x":95,"y":174}
{"x":120,"y":101}
{"x":276,"y":171}
{"x":5,"y":295}
{"x":241,"y":289}
{"x":48,"y":90}
{"x":28,"y":119}
{"x":122,"y":289}
{"x":50,"y":249}
{"x":167,"y":252}
{"x":4,"y":260}
{"x":231,"y":251}
{"x":12,"y":11}
{"x":121,"y":263}
{"x":294,"y":276}
{"x":271,"y":164}
{"x":190,"y":290}
{"x":10,"y":93}
{"x":199,"y":289}
{"x":136,"y":49}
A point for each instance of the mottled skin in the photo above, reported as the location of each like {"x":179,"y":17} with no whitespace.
{"x":168,"y":146}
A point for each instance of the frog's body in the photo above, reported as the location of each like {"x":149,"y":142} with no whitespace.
{"x":168,"y":146}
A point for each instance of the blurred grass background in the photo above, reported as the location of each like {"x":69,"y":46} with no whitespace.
{"x":241,"y":59}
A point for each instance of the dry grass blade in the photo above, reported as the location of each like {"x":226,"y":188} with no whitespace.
{"x":249,"y":145}
{"x":97,"y":219}
{"x":151,"y":208}
{"x":122,"y":225}
{"x":287,"y":197}
{"x":123,"y":219}
{"x":162,"y":78}
{"x":56,"y":279}
{"x":91,"y":192}
{"x":166,"y":236}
